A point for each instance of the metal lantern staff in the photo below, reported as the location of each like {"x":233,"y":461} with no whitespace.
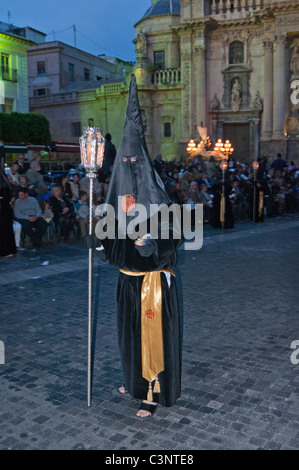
{"x":255,"y":166}
{"x":224,"y":167}
{"x":92,"y":145}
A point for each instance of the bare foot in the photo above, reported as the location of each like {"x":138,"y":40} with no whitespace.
{"x":146,"y":409}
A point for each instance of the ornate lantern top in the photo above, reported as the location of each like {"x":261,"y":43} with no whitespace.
{"x":92,"y":145}
{"x":255,"y":166}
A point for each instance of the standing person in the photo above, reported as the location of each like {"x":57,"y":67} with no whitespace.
{"x":109,"y":153}
{"x":75,"y":187}
{"x":28,"y":213}
{"x":2,"y":155}
{"x":7,"y":238}
{"x":23,"y":166}
{"x":151,"y":371}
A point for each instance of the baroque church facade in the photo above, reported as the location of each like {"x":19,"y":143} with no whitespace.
{"x":230,"y":66}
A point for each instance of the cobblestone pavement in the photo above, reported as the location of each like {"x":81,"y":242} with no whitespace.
{"x":239,"y":385}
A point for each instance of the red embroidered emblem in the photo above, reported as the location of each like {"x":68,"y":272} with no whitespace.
{"x":127,"y":203}
{"x":149,"y":313}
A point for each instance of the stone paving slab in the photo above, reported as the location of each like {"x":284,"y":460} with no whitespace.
{"x":239,"y":386}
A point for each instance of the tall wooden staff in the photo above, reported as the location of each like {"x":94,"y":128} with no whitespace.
{"x":92,"y":145}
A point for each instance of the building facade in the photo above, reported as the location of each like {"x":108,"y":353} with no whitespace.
{"x":74,"y":89}
{"x":230,"y":66}
{"x":14,"y":43}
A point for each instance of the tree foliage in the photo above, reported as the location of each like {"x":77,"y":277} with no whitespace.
{"x":27,"y":128}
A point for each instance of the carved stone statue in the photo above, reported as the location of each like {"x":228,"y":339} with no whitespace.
{"x":258,"y":102}
{"x":215,"y":103}
{"x":140,"y":43}
{"x":236,"y":95}
{"x":294,"y":65}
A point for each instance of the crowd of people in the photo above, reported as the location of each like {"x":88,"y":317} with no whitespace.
{"x":41,"y":208}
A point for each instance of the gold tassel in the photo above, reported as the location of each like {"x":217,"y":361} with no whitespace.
{"x":157,"y":386}
{"x":150,"y":393}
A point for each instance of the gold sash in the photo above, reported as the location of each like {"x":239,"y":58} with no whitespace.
{"x":222,"y":208}
{"x":261,"y":202}
{"x":151,"y":327}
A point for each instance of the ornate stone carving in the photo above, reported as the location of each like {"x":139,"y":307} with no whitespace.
{"x":268,"y":45}
{"x":140,"y":44}
{"x":258,"y":102}
{"x":185,"y":55}
{"x":215,"y":103}
{"x":236,"y":95}
{"x":280,"y":39}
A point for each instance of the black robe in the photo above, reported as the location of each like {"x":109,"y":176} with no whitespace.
{"x":215,"y":213}
{"x":124,"y":255}
{"x":135,"y":181}
{"x":7,"y":237}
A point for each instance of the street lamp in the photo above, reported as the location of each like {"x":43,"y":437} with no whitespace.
{"x":255,"y":167}
{"x":218,"y":147}
{"x":191,"y":148}
{"x":92,"y":145}
{"x":224,"y":167}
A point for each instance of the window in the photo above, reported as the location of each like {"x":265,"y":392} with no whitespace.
{"x":86,"y":75}
{"x":159,"y":60}
{"x":76,"y":129}
{"x":41,"y":68}
{"x":71,"y":73}
{"x":167,"y":129}
{"x":5,"y":69}
{"x":40,"y":92}
{"x":236,"y":52}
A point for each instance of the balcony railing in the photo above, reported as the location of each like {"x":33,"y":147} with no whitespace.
{"x":9,"y":74}
{"x":166,"y":77}
{"x":235,"y":8}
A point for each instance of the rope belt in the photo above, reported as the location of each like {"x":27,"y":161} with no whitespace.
{"x":151,"y":327}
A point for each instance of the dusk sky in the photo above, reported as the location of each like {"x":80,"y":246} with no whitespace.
{"x":102,"y":26}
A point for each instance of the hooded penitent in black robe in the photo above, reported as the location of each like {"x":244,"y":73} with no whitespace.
{"x":7,"y":238}
{"x":257,"y":191}
{"x":135,"y":181}
{"x":216,"y":219}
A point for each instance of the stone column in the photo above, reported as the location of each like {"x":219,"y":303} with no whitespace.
{"x":201,"y":100}
{"x":279,"y":87}
{"x":186,"y":56}
{"x":267,"y":126}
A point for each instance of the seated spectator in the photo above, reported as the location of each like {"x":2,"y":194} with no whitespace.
{"x":23,"y":166}
{"x":205,"y":180}
{"x":35,"y":178}
{"x":75,"y":187}
{"x":13,"y":172}
{"x":28,"y":213}
{"x":64,"y":213}
{"x":64,"y":183}
{"x":38,"y":158}
{"x":24,"y":183}
{"x":177,"y":194}
{"x":97,"y":185}
{"x":82,"y":211}
{"x":17,"y":228}
{"x":48,"y":215}
{"x":206,"y":201}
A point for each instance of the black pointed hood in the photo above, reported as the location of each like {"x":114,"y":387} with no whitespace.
{"x":134,"y":178}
